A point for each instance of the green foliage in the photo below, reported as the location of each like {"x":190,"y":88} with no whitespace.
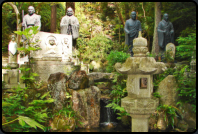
{"x":117,"y":107}
{"x":115,"y":57}
{"x":96,"y":49}
{"x":186,"y":47}
{"x":170,"y":113}
{"x":29,"y":116}
{"x":119,"y":91}
{"x":186,"y":87}
{"x":157,"y":95}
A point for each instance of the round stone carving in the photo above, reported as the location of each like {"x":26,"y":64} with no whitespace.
{"x":51,"y":41}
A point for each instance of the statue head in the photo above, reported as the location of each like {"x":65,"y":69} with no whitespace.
{"x":13,"y":37}
{"x":65,"y":40}
{"x":51,"y":41}
{"x":31,"y":10}
{"x":69,"y":11}
{"x":133,"y":15}
{"x":165,"y":17}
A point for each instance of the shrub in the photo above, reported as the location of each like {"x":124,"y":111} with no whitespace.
{"x":115,"y":57}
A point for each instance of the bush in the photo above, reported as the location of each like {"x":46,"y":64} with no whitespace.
{"x":115,"y":57}
{"x":186,"y":47}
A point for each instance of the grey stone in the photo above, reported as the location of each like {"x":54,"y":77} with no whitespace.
{"x":139,"y":103}
{"x":167,"y":89}
{"x":86,"y":103}
{"x":78,"y":80}
{"x":57,"y":86}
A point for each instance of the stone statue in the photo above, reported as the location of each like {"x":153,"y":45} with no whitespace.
{"x":12,"y":51}
{"x":165,"y":33}
{"x":31,"y":19}
{"x":69,"y":24}
{"x":132,"y":28}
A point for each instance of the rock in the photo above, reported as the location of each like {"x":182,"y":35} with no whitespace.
{"x":183,"y":125}
{"x":61,"y":123}
{"x":161,"y":123}
{"x":86,"y":103}
{"x":78,"y":80}
{"x":188,"y":115}
{"x":100,"y":77}
{"x":167,"y":90}
{"x":57,"y":86}
{"x":96,"y":66}
{"x":153,"y":122}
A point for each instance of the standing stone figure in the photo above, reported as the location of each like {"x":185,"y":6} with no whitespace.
{"x":31,"y":19}
{"x":12,"y":51}
{"x":165,"y":33}
{"x":132,"y":28}
{"x":69,"y":25}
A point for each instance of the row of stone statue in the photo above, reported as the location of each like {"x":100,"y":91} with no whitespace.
{"x":133,"y":28}
{"x":70,"y":25}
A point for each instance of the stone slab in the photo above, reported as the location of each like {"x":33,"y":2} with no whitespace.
{"x":61,"y":48}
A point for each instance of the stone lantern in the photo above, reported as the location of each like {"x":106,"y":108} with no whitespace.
{"x":140,"y":70}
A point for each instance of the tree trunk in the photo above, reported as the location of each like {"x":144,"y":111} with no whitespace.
{"x":70,"y":4}
{"x":119,"y":14}
{"x":127,"y":15}
{"x":18,"y":20}
{"x":155,"y":46}
{"x":53,"y":19}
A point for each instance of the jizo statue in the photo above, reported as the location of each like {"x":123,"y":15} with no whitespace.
{"x":12,"y":50}
{"x":69,"y":24}
{"x":132,"y":29}
{"x":165,"y":33}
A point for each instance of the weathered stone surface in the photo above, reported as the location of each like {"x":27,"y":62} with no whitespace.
{"x":78,"y":80}
{"x":62,"y":124}
{"x":57,"y":86}
{"x":161,"y":123}
{"x":86,"y":102}
{"x":45,"y":68}
{"x":188,"y":115}
{"x":100,"y":77}
{"x":167,"y":90}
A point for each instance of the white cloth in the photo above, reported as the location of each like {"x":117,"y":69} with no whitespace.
{"x":12,"y":47}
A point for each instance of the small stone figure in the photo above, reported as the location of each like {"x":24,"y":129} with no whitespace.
{"x":165,"y":33}
{"x":69,"y":25}
{"x":12,"y":51}
{"x":132,"y":28}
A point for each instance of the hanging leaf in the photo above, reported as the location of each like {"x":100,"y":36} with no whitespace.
{"x":30,"y":122}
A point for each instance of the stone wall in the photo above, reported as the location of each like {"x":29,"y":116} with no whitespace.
{"x":46,"y":67}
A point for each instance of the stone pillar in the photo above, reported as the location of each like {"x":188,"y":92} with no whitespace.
{"x":140,"y":69}
{"x":140,"y":123}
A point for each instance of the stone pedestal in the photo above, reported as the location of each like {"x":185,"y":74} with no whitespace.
{"x":140,"y":69}
{"x":140,"y":123}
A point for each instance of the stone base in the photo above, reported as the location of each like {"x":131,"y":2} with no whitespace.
{"x":142,"y":106}
{"x":140,"y":123}
{"x":13,"y":65}
{"x":44,"y":68}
